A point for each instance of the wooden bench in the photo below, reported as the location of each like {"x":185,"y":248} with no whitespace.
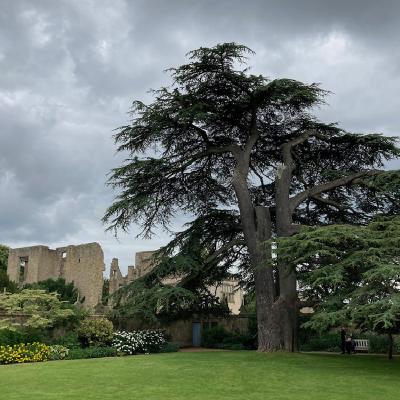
{"x":361,"y":344}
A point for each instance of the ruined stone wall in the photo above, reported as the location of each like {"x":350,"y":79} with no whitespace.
{"x":143,"y":263}
{"x":83,"y":265}
{"x":39,"y":264}
{"x":117,"y":280}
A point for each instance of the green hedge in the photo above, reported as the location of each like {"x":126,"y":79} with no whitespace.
{"x":91,"y":352}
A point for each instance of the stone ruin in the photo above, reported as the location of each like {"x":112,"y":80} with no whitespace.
{"x":83,"y":265}
{"x":227,"y":290}
{"x":143,"y":265}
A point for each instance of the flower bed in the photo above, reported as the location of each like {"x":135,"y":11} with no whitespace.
{"x":139,"y":342}
{"x":23,"y":353}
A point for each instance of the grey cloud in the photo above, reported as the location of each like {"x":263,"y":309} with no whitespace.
{"x":70,"y":69}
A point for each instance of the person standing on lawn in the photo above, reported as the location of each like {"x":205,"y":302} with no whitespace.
{"x":343,"y":339}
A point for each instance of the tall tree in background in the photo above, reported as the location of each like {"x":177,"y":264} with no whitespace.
{"x":245,"y":154}
{"x":3,"y":257}
{"x":5,"y":282}
{"x":350,"y":274}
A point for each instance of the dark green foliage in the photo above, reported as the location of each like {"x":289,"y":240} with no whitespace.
{"x":10,"y":337}
{"x":218,"y":337}
{"x":91,"y":352}
{"x":169,"y":348}
{"x":6,"y":283}
{"x":351,"y":273}
{"x":105,"y":292}
{"x":3,"y":258}
{"x":323,"y":342}
{"x":69,"y":340}
{"x":330,"y":341}
{"x":67,"y":291}
{"x":4,"y":280}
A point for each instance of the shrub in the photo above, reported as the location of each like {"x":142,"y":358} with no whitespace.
{"x":91,"y":352}
{"x":70,"y":340}
{"x":95,"y":332}
{"x":66,"y":290}
{"x":12,"y":336}
{"x":214,"y":337}
{"x":332,"y":342}
{"x":323,"y":342}
{"x":44,"y":310}
{"x":23,"y":353}
{"x":220,"y":338}
{"x":58,"y":352}
{"x":136,"y":342}
{"x":169,"y":348}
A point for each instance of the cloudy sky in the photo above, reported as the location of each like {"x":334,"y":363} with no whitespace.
{"x":69,"y":70}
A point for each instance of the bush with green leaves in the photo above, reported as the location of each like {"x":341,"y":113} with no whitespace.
{"x":95,"y":332}
{"x":38,"y":309}
{"x":58,"y":352}
{"x":169,"y":348}
{"x":23,"y":353}
{"x":219,"y":337}
{"x":13,"y":336}
{"x":322,"y":342}
{"x":66,"y":290}
{"x":92,"y":352}
{"x":69,"y":340}
{"x":330,"y":341}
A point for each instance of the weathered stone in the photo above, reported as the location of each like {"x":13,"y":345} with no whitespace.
{"x":83,"y":265}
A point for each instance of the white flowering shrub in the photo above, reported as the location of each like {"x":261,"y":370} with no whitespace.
{"x":137,"y":342}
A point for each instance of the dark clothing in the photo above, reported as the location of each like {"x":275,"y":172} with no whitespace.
{"x":343,"y":340}
{"x":349,"y":346}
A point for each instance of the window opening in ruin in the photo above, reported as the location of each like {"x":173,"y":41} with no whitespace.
{"x":23,"y":268}
{"x":64,"y":254}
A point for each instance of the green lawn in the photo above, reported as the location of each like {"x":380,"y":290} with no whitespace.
{"x":209,"y":375}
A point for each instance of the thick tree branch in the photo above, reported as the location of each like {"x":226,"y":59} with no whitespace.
{"x":224,"y":248}
{"x":323,"y":187}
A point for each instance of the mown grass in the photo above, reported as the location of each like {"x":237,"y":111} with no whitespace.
{"x":209,"y":375}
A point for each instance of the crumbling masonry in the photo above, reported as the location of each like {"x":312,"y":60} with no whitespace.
{"x":83,"y":265}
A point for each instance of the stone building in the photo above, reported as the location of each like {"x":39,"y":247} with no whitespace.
{"x":83,"y":265}
{"x":227,"y":290}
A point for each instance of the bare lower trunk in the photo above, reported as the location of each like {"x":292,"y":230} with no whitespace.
{"x":276,"y":313}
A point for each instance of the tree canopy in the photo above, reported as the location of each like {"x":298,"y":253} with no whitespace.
{"x":350,"y":274}
{"x":244,"y":156}
{"x":43,"y":310}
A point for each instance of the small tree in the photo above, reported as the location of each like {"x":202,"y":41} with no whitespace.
{"x":351,"y":274}
{"x":3,"y":257}
{"x":67,"y":291}
{"x":36,"y":309}
{"x":5,"y":282}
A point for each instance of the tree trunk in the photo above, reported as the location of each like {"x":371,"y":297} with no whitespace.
{"x":288,"y":300}
{"x":256,"y":223}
